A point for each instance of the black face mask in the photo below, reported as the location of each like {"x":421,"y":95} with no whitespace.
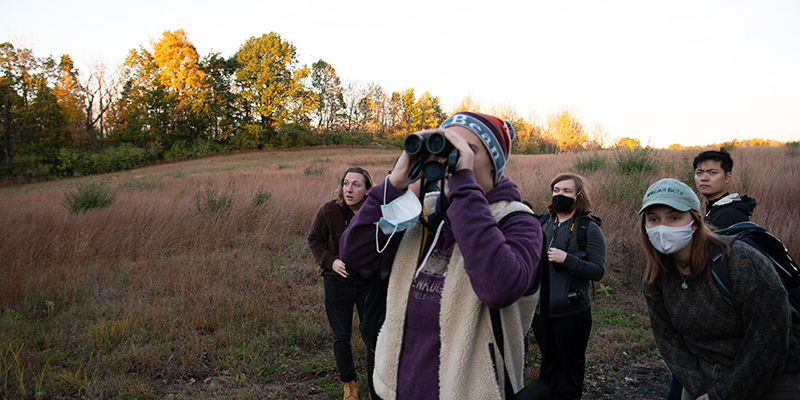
{"x":562,"y":203}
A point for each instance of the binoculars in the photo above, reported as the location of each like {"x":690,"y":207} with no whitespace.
{"x":422,"y":147}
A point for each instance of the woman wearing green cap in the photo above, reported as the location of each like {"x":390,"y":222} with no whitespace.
{"x":719,"y":347}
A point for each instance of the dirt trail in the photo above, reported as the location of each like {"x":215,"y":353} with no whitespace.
{"x":641,"y":379}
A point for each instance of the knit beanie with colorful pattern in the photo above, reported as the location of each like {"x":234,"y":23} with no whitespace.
{"x":495,"y":133}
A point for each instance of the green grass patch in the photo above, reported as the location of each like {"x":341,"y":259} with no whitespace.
{"x":141,"y":183}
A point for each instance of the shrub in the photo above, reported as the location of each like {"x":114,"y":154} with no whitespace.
{"x":88,"y":195}
{"x":636,"y":160}
{"x":590,"y":163}
{"x":291,"y":135}
{"x":729,"y":146}
{"x":792,"y":148}
{"x":317,"y":168}
{"x":682,"y":170}
{"x":212,"y":201}
{"x":261,"y":196}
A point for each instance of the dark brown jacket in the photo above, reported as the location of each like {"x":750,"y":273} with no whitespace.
{"x":323,"y":239}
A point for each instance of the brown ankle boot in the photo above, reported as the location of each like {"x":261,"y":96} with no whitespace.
{"x":351,"y":390}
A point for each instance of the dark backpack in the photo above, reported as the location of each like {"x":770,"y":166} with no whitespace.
{"x":766,"y":244}
{"x":583,"y":226}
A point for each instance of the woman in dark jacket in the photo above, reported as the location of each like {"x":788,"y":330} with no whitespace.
{"x":740,"y":346}
{"x":565,"y":334}
{"x":344,"y":287}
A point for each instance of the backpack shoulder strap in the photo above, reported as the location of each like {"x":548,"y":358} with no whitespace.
{"x":508,"y":216}
{"x":583,"y":227}
{"x":497,"y":328}
{"x":719,"y":267}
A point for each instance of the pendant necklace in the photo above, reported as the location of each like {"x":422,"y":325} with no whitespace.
{"x":684,"y":286}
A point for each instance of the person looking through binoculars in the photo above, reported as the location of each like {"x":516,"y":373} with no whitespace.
{"x":437,"y":340}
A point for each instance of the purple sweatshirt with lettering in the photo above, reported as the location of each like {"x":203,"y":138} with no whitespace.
{"x":501,"y":265}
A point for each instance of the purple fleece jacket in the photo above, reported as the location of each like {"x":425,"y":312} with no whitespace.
{"x":501,"y":265}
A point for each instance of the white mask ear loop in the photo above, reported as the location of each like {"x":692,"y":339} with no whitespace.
{"x":377,"y":245}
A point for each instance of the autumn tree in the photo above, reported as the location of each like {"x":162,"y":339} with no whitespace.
{"x":70,"y":96}
{"x":531,"y":137}
{"x":377,"y":112}
{"x":180,"y":74}
{"x":33,"y":123}
{"x":566,"y":130}
{"x":386,"y":110}
{"x":10,"y":100}
{"x":628,"y":143}
{"x":270,"y":80}
{"x":141,"y":114}
{"x":467,"y":104}
{"x":410,"y":115}
{"x":179,"y":65}
{"x":430,"y":114}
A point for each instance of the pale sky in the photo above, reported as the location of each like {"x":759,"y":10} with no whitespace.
{"x":689,"y":72}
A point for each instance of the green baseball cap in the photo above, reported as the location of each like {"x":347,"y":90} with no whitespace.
{"x":672,"y":193}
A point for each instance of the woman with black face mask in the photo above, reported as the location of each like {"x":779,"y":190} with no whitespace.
{"x":576,"y":251}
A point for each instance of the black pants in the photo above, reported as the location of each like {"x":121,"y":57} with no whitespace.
{"x":375,"y":314}
{"x":339,"y":301}
{"x":370,"y":370}
{"x":564,"y":353}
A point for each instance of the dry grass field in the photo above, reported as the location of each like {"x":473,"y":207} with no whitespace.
{"x":197,"y":282}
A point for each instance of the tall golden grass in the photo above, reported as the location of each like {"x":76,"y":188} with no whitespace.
{"x":150,"y":296}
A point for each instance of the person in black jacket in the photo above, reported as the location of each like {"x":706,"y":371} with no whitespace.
{"x":345,"y":286}
{"x":571,"y":268}
{"x":712,"y":175}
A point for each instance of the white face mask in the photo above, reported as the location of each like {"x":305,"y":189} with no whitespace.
{"x":398,"y":215}
{"x":669,"y":240}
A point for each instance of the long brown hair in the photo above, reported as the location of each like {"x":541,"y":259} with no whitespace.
{"x":701,"y":239}
{"x":338,"y":194}
{"x":583,"y":203}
